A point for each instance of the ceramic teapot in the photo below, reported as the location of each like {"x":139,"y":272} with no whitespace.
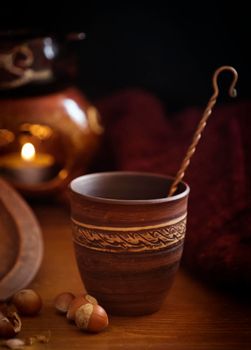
{"x":49,"y":131}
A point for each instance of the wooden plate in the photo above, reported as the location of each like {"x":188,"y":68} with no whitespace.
{"x":21,"y":243}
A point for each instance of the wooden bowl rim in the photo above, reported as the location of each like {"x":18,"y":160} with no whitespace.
{"x":30,"y":252}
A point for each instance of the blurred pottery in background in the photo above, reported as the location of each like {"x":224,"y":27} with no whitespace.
{"x":49,"y":131}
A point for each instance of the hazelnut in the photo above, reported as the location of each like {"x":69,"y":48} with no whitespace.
{"x":92,"y":318}
{"x":10,"y":323}
{"x":28,"y":302}
{"x":14,"y":343}
{"x":62,"y":302}
{"x":77,"y":302}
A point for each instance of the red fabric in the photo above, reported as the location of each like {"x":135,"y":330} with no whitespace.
{"x":142,"y":137}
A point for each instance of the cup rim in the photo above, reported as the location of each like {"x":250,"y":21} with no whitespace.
{"x":128,"y":201}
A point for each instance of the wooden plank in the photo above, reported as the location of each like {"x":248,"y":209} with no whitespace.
{"x":192,"y":317}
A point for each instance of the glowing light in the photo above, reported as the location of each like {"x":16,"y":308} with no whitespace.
{"x":75,"y":112}
{"x":49,"y":49}
{"x":6,"y":137}
{"x":28,"y":152}
{"x":41,"y":131}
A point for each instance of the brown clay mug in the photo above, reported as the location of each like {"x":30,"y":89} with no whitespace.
{"x":128,"y":238}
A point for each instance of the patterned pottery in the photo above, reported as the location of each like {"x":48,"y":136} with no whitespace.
{"x":128,"y":238}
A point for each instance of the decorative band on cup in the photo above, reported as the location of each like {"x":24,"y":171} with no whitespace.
{"x":130,"y":239}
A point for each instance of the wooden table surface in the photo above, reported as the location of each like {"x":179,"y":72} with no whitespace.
{"x":193,"y":316}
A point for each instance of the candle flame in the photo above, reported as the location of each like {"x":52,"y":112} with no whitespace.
{"x":28,"y":151}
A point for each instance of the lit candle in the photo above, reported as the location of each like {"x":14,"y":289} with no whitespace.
{"x":27,"y":167}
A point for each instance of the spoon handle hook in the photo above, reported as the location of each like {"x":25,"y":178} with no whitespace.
{"x":207,"y":112}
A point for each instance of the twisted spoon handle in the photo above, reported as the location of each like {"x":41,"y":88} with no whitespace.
{"x":197,"y":135}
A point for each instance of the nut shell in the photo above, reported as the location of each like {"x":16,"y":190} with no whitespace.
{"x":10,"y":324}
{"x":77,"y":302}
{"x":28,"y":302}
{"x":6,"y":328}
{"x":63,"y":301}
{"x":91,"y":318}
{"x":14,"y":343}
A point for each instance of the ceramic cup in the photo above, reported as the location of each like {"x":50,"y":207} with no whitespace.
{"x":128,"y":238}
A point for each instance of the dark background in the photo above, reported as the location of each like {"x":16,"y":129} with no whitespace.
{"x":170,"y":49}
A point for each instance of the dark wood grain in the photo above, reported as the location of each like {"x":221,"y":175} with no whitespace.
{"x":193,"y":317}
